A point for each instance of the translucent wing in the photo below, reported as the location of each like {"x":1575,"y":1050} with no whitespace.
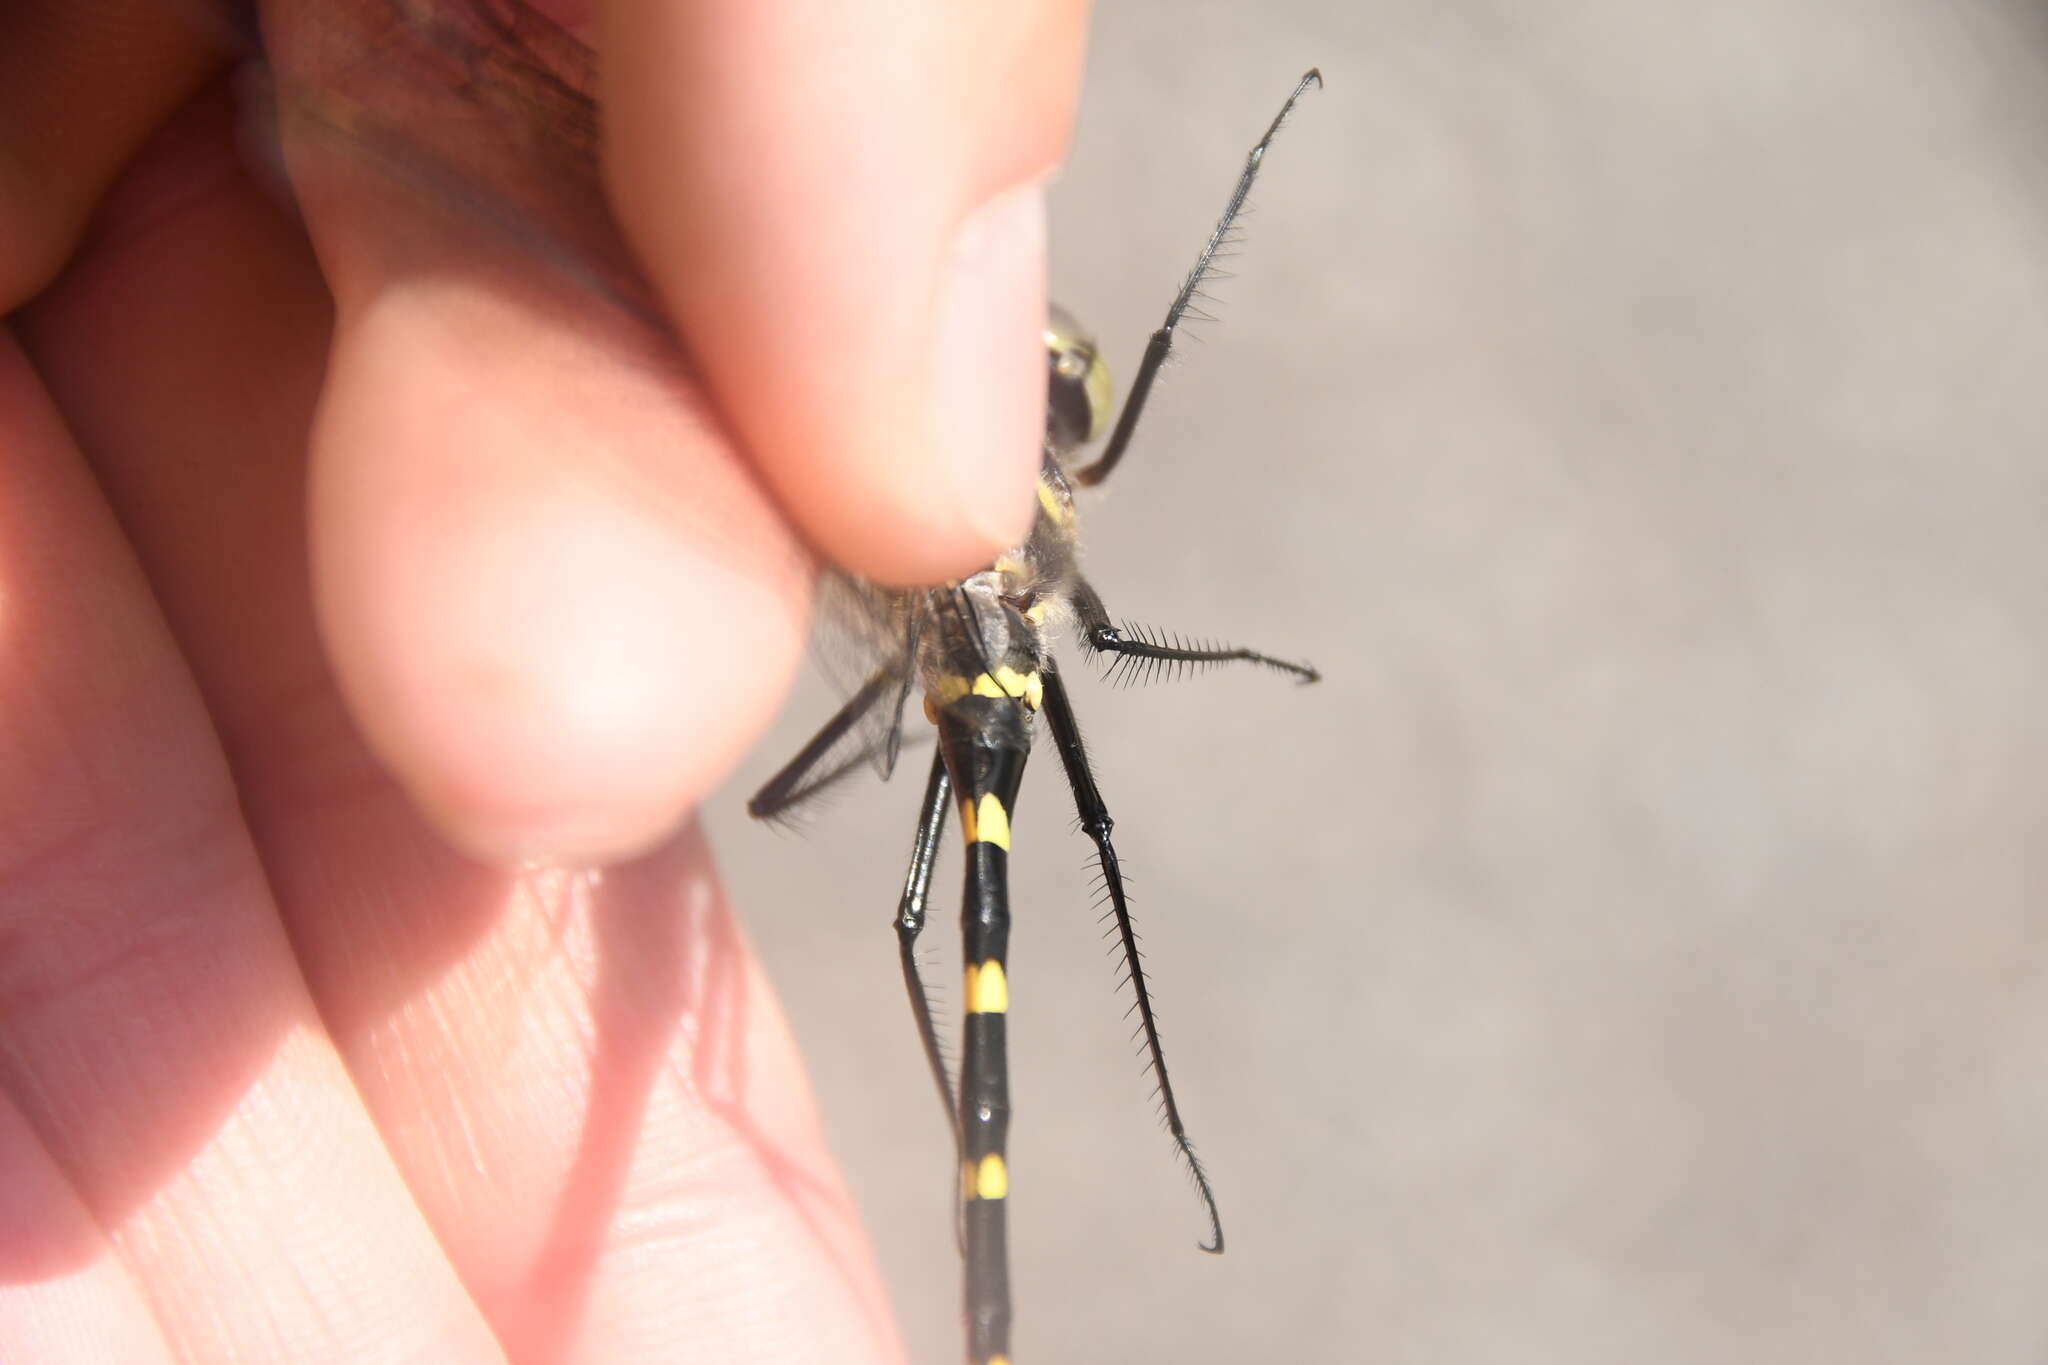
{"x":863,"y":630}
{"x":866,"y":639}
{"x":473,"y":120}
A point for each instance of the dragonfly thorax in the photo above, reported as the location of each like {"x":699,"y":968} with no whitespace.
{"x":982,"y":644}
{"x":989,"y":633}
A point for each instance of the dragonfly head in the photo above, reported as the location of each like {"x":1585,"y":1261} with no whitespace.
{"x":1078,"y":392}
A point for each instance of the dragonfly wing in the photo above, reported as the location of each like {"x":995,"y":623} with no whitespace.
{"x":464,"y":135}
{"x":862,"y":629}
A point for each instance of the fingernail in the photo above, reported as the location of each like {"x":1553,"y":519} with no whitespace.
{"x":988,"y":377}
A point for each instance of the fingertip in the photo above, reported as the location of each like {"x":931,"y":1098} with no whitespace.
{"x":987,"y":375}
{"x":553,"y":663}
{"x":843,"y":217}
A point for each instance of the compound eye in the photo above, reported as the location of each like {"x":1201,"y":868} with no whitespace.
{"x":1078,"y":387}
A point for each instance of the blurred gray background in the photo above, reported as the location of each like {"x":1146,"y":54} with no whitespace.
{"x":1633,"y":950}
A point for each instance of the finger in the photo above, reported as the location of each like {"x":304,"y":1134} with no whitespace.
{"x":560,"y":659}
{"x":64,"y":1296}
{"x":158,"y":1039}
{"x":560,"y":604}
{"x":841,"y":207}
{"x":583,"y":1079}
{"x":82,"y":83}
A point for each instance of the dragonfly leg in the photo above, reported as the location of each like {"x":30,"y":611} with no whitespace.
{"x":811,"y":771}
{"x":1096,"y":824}
{"x":1161,"y":343}
{"x":1137,"y":652}
{"x":909,"y":921}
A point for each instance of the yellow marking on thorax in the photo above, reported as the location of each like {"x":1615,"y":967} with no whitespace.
{"x":1061,"y":513}
{"x":986,"y":823}
{"x":989,"y":1179}
{"x":988,"y":989}
{"x":1004,"y":682}
{"x":1029,"y":686}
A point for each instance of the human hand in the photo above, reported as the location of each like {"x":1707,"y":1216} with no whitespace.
{"x":285,"y":1078}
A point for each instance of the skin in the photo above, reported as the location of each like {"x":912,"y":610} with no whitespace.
{"x":315,"y":567}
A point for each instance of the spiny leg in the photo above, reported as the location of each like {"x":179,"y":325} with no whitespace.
{"x":1161,"y":344}
{"x":798,"y":780}
{"x":910,"y":917}
{"x":1095,"y":822}
{"x":984,"y":742}
{"x":1106,"y":637}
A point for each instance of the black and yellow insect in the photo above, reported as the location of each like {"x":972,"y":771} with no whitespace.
{"x":979,"y":653}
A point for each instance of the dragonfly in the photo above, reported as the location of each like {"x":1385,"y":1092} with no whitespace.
{"x":479,"y":112}
{"x":978,"y":653}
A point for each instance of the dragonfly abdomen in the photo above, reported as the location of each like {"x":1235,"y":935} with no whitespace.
{"x":984,"y":742}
